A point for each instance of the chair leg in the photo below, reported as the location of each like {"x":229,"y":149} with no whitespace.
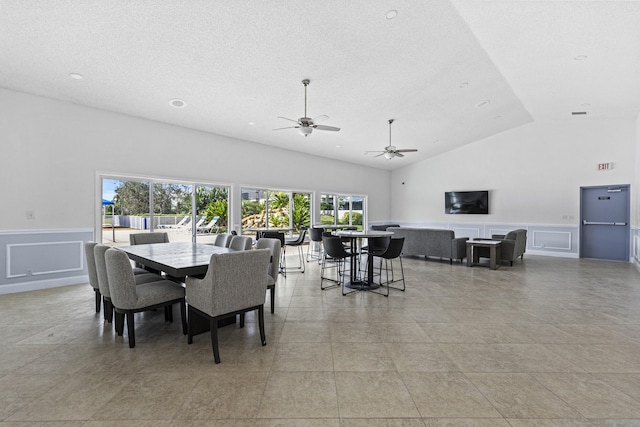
{"x":214,"y":340}
{"x":131,"y":329}
{"x":98,"y":300}
{"x":183,"y":317}
{"x":263,"y":339}
{"x":273,"y":299}
{"x":241,"y":315}
{"x":108,"y":310}
{"x":119,"y":323}
{"x":168,"y":313}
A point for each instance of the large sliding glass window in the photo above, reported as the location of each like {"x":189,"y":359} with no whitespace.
{"x":350,"y":210}
{"x":153,"y":205}
{"x":266,"y":209}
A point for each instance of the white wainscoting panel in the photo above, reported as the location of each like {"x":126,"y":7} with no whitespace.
{"x":40,"y":259}
{"x":34,"y":259}
{"x":559,"y":240}
{"x":470,"y":232}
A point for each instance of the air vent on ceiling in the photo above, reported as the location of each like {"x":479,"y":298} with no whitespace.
{"x":578,"y":113}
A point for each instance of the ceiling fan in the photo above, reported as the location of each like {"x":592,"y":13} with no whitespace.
{"x":306,"y":125}
{"x":390,"y":151}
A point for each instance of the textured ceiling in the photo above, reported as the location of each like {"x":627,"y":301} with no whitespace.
{"x":449,"y":72}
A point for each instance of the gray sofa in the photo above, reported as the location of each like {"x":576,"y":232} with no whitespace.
{"x":431,"y":242}
{"x":514,"y":244}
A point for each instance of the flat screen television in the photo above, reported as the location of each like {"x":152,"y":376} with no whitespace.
{"x":466,"y":202}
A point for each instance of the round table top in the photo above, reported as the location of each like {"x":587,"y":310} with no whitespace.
{"x":364,"y":233}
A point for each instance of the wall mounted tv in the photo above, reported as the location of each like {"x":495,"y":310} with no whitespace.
{"x":466,"y":202}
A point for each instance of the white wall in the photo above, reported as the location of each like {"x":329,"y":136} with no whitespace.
{"x":533,"y":173}
{"x":51,"y":151}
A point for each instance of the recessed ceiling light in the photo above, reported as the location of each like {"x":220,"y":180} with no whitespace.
{"x":483,"y":103}
{"x":76,"y":76}
{"x":391,"y":14}
{"x":177,"y":103}
{"x":252,"y":123}
{"x":464,"y":85}
{"x":337,"y":146}
{"x":580,"y":57}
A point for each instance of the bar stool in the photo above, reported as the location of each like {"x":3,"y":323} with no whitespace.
{"x":315,"y":240}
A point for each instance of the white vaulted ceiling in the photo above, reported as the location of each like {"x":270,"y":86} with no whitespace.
{"x":449,"y":72}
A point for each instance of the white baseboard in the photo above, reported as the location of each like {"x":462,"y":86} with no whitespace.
{"x":43,"y":284}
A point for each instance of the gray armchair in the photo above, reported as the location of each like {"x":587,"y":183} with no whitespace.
{"x":129,"y":298}
{"x":274,"y":246}
{"x":99,"y":252}
{"x":235,"y":283}
{"x":514,"y":245}
{"x":148,"y":238}
{"x":222,"y":240}
{"x":241,"y":243}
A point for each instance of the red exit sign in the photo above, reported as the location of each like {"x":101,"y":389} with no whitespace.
{"x":604,"y":166}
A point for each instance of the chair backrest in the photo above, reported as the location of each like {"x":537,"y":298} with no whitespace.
{"x":147,"y":238}
{"x":240,"y":243}
{"x":122,"y":284}
{"x":379,"y":244}
{"x":222,"y":240}
{"x":315,"y":234}
{"x":333,"y":247}
{"x":274,"y":246}
{"x":234,"y":281}
{"x":91,"y":264}
{"x":273,"y":235}
{"x":101,"y":269}
{"x":183,"y":221}
{"x":394,"y":249}
{"x":300,"y":239}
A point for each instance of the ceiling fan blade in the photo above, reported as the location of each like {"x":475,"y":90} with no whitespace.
{"x":323,"y":127}
{"x":371,"y":152}
{"x":407,"y":150}
{"x":286,"y":118}
{"x":288,"y":127}
{"x":398,"y":154}
{"x":379,"y":154}
{"x":321,"y":118}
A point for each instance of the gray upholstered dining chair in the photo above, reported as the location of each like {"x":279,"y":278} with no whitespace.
{"x":241,"y":243}
{"x":222,"y":240}
{"x":129,"y":298}
{"x":93,"y":274}
{"x":99,"y":251}
{"x":274,"y":245}
{"x":148,"y":238}
{"x":235,"y":283}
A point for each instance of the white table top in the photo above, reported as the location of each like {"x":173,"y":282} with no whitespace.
{"x":364,"y":234}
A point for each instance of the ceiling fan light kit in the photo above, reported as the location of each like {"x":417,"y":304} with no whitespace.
{"x":306,"y":125}
{"x":390,"y":151}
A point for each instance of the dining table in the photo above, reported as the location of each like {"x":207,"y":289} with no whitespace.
{"x":367,"y":283}
{"x":176,"y":259}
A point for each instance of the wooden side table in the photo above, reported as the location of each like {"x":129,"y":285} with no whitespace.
{"x":494,"y":252}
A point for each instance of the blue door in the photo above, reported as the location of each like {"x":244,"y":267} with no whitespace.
{"x":604,"y":222}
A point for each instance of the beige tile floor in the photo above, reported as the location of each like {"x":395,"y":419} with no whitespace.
{"x":547,"y":342}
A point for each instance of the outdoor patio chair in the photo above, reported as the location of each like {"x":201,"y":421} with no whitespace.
{"x":210,"y":226}
{"x":180,"y":224}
